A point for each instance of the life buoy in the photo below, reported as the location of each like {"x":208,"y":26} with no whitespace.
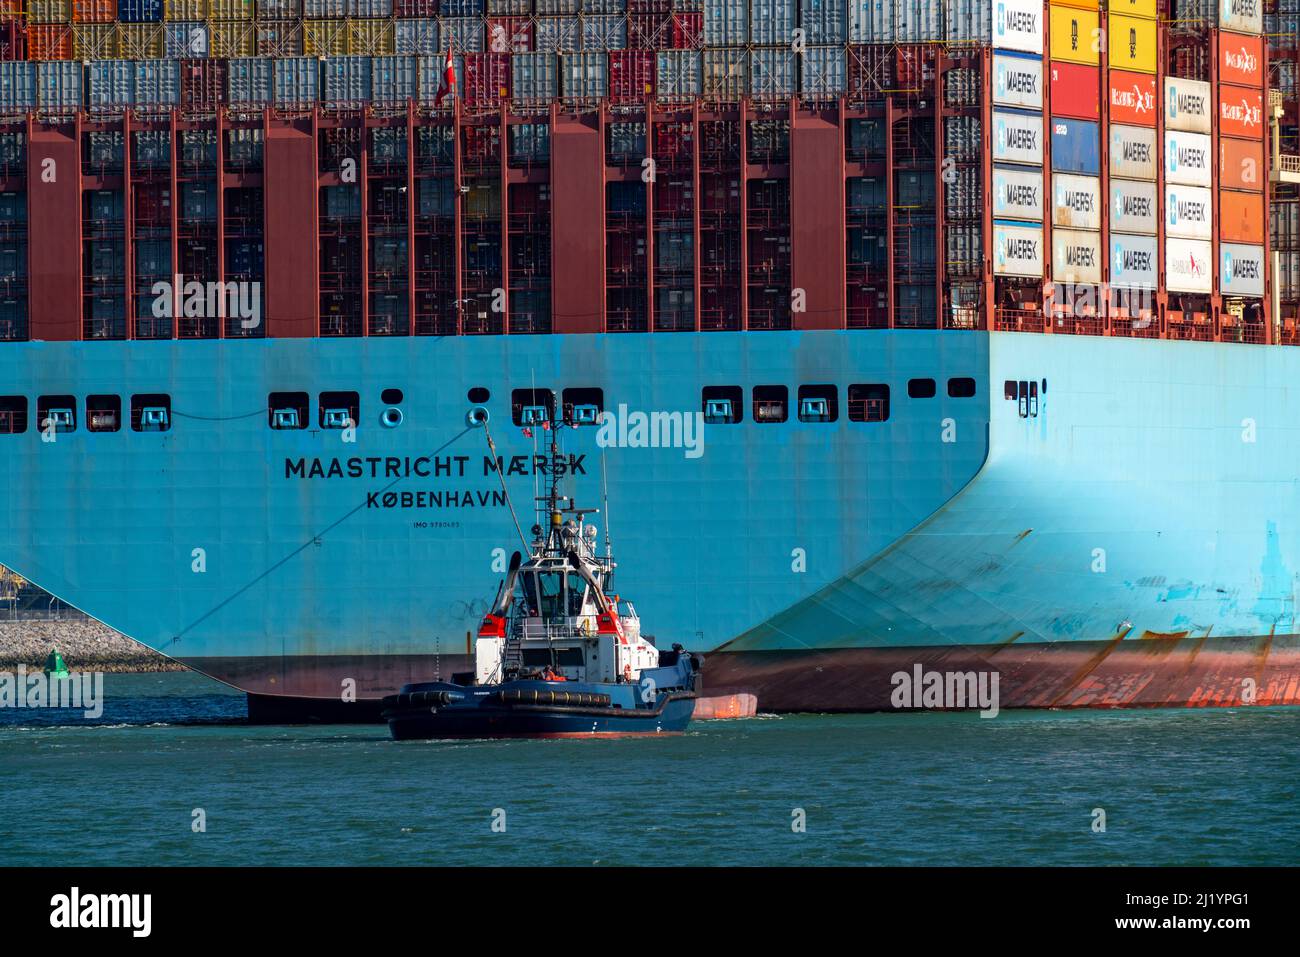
{"x":627,"y":673}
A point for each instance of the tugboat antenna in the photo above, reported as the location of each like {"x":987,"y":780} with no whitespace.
{"x":604,"y":493}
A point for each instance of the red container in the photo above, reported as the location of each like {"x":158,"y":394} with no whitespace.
{"x":13,"y":40}
{"x":510,"y":35}
{"x":688,"y":31}
{"x":203,"y":84}
{"x":1241,"y":59}
{"x":1241,"y":217}
{"x":1241,"y":112}
{"x":1241,"y":163}
{"x":649,"y":31}
{"x":152,"y":204}
{"x":94,"y":11}
{"x":1075,"y":90}
{"x":415,"y":8}
{"x":11,"y":9}
{"x":631,"y":75}
{"x":487,"y":78}
{"x":1132,"y":98}
{"x":914,"y":65}
{"x":49,"y":41}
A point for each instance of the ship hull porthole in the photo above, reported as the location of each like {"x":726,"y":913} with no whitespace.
{"x":477,"y":417}
{"x":390,"y":418}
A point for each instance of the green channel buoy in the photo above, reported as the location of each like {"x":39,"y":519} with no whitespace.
{"x":55,"y":667}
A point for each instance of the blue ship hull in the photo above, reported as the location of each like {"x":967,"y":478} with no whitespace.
{"x":1130,"y":542}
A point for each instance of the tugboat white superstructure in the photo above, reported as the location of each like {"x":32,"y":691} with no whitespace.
{"x":557,"y":654}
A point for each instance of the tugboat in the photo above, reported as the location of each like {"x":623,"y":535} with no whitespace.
{"x":556,"y":655}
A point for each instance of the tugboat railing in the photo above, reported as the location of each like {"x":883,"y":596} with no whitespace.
{"x":551,"y":631}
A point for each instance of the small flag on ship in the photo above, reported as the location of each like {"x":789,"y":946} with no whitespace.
{"x":448,"y":84}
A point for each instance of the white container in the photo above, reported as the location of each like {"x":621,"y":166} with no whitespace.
{"x":1133,"y":152}
{"x":1134,"y":261}
{"x":1017,"y":138}
{"x":1018,"y":81}
{"x":1076,"y":201}
{"x":1018,"y":193}
{"x":1134,"y":207}
{"x":1018,"y":25}
{"x":533,"y":76}
{"x":1188,"y":159}
{"x":822,"y":72}
{"x":1188,"y":105}
{"x":823,"y":21}
{"x":1189,"y":212}
{"x":771,"y":22}
{"x":584,"y":76}
{"x":1243,"y":16}
{"x":416,"y":37}
{"x":1017,"y":250}
{"x":1076,"y":256}
{"x":772,"y":72}
{"x":726,"y":23}
{"x":1187,"y":265}
{"x":678,"y":74}
{"x":1241,"y":269}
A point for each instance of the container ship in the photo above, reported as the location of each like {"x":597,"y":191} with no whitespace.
{"x":954,"y":337}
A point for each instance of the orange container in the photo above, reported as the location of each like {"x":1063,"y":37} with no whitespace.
{"x":11,"y":9}
{"x":1241,"y":59}
{"x":1241,"y":217}
{"x":1133,"y":98}
{"x":1241,"y":163}
{"x":1241,"y":112}
{"x":94,"y":11}
{"x":49,"y":41}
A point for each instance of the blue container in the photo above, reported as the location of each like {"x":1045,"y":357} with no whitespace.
{"x":140,"y":11}
{"x":248,"y":81}
{"x":17,"y":85}
{"x":1076,"y":146}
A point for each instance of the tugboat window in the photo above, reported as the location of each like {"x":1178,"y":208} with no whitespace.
{"x":1009,"y":390}
{"x":57,"y":412}
{"x":869,"y":403}
{"x":818,"y":403}
{"x":723,"y":404}
{"x":339,"y":410}
{"x":577,"y":592}
{"x":151,"y":412}
{"x":13,"y":414}
{"x":551,"y":594}
{"x":532,"y":406}
{"x":770,"y":403}
{"x":103,"y":413}
{"x":962,"y":387}
{"x":287,"y":410}
{"x":920,"y":388}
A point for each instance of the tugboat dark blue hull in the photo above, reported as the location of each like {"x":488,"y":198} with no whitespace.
{"x":530,"y":710}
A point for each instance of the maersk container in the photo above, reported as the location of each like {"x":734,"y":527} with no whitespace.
{"x":1017,"y":250}
{"x":416,"y":37}
{"x":346,"y":79}
{"x":725,"y":75}
{"x":393,"y":79}
{"x":557,"y":8}
{"x":1075,"y":146}
{"x":1241,"y":269}
{"x":1133,"y":206}
{"x":772,"y":72}
{"x":678,"y":74}
{"x":1188,"y":212}
{"x":726,"y":23}
{"x":17,"y":85}
{"x":157,"y":82}
{"x":1017,"y":137}
{"x":249,"y":80}
{"x":1133,"y":152}
{"x":1076,"y":201}
{"x":1243,"y":16}
{"x":771,"y":22}
{"x":1188,"y":159}
{"x":558,"y":34}
{"x":1188,"y":105}
{"x":533,"y":76}
{"x":1187,"y":265}
{"x":824,"y":21}
{"x":58,"y":85}
{"x":183,"y":40}
{"x":1018,"y":193}
{"x":822,"y":72}
{"x":584,"y":75}
{"x":464,"y":34}
{"x":604,"y":33}
{"x":1076,"y":256}
{"x":110,"y":83}
{"x":139,"y":11}
{"x":1134,"y":262}
{"x":1018,"y":81}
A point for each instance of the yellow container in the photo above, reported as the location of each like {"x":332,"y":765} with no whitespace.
{"x":49,"y":11}
{"x":1134,"y":8}
{"x":371,"y":37}
{"x":230,"y":9}
{"x":94,"y":41}
{"x":228,"y":39}
{"x":324,"y":37}
{"x":139,"y":41}
{"x":1076,"y":35}
{"x":185,"y":9}
{"x":1131,"y":44}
